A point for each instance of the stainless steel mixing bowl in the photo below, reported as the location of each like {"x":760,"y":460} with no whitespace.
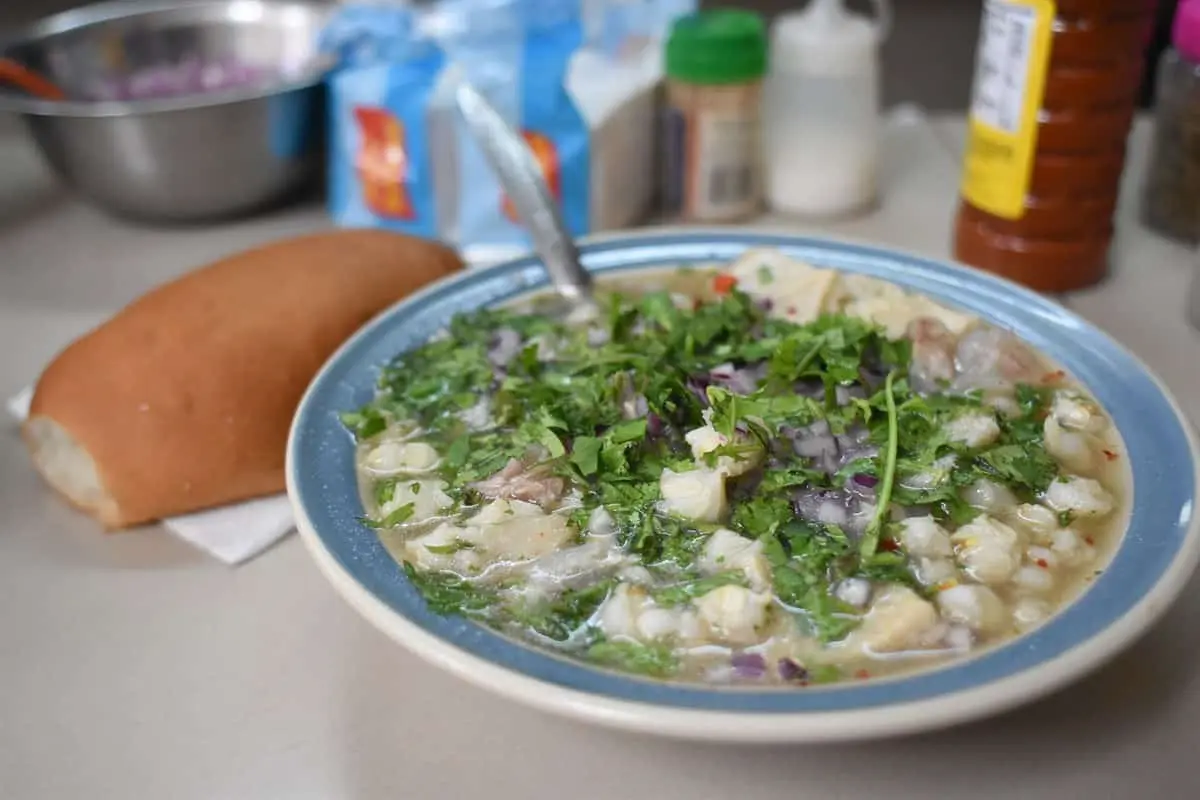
{"x":191,"y":158}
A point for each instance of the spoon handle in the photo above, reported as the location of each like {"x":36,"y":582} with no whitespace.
{"x":522,"y":180}
{"x":28,"y":81}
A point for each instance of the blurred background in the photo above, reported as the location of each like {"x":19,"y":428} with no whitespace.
{"x":947,"y":29}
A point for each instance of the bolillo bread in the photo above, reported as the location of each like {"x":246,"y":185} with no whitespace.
{"x":183,"y":400}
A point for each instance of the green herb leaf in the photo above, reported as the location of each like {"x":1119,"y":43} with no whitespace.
{"x":449,"y":594}
{"x":397,"y":517}
{"x":681,"y":593}
{"x":653,"y":660}
{"x":870,"y":540}
{"x":585,"y":454}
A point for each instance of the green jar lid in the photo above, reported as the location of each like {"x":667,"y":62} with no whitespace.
{"x":721,"y":46}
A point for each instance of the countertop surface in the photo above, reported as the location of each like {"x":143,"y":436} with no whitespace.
{"x":134,"y":666}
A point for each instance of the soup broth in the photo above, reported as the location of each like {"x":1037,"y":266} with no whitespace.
{"x":760,"y":473}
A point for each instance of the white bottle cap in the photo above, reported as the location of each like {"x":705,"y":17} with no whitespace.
{"x":824,"y":39}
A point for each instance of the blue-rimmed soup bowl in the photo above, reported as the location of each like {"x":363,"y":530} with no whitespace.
{"x":1150,"y":566}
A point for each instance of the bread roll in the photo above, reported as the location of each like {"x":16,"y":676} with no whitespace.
{"x":183,"y":400}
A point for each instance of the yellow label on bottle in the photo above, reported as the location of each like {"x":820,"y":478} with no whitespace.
{"x":1010,"y":79}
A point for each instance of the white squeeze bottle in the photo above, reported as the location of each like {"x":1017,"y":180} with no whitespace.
{"x":821,"y":110}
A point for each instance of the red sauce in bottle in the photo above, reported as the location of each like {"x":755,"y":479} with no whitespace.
{"x":1056,"y":86}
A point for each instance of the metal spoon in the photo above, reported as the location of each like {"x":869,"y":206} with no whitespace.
{"x":514,"y":165}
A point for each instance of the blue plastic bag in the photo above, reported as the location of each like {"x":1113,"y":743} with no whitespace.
{"x":401,"y":157}
{"x":549,"y":32}
{"x":483,"y":41}
{"x":380,"y":165}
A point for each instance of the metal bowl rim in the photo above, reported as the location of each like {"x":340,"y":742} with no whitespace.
{"x":85,"y":16}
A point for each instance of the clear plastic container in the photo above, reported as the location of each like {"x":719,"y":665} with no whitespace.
{"x":821,"y":110}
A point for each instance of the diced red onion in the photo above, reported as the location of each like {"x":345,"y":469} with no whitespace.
{"x":634,"y":406}
{"x":597,"y":337}
{"x":866,"y":481}
{"x":749,"y":665}
{"x":698,"y":385}
{"x":825,"y":506}
{"x":654,"y":424}
{"x":506,"y":343}
{"x":789,"y":670}
{"x":188,"y":77}
{"x":740,"y":380}
{"x":844,"y":394}
{"x":809,"y":388}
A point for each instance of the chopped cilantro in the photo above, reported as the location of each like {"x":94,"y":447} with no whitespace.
{"x":656,"y":661}
{"x":394,"y":518}
{"x":447,"y":593}
{"x":560,"y":618}
{"x":684,"y":591}
{"x":604,"y":410}
{"x":449,"y":549}
{"x":384,"y":490}
{"x":365,"y":423}
{"x":871,"y":538}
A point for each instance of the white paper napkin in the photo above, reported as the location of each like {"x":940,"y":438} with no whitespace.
{"x":233,"y":533}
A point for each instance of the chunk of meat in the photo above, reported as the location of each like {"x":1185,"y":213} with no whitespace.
{"x":734,"y":613}
{"x":899,"y":619}
{"x":706,"y":439}
{"x":726,"y":550}
{"x":1075,"y":450}
{"x":989,"y":496}
{"x":401,"y":458}
{"x":975,"y":606}
{"x":697,"y":494}
{"x":427,"y":498}
{"x":517,"y":481}
{"x":932,"y":354}
{"x":1039,"y":521}
{"x":1083,"y":497}
{"x":987,"y":549}
{"x":1075,"y":412}
{"x":975,"y":429}
{"x":629,"y":613}
{"x":923,"y":536}
{"x":991,"y":358}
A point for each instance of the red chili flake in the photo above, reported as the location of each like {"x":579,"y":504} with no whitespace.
{"x":803,"y":683}
{"x":890,"y":545}
{"x":723,"y":284}
{"x":1089,"y":540}
{"x":862,"y":674}
{"x":1054,"y":377}
{"x":696,"y":303}
{"x":1041,"y":562}
{"x":1110,"y":455}
{"x":791,"y":311}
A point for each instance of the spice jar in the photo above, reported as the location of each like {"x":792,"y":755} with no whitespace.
{"x":821,"y":110}
{"x":1056,"y":86}
{"x":715,"y":62}
{"x":1171,"y":195}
